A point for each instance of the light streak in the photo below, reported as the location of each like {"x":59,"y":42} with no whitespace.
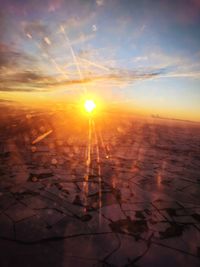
{"x":105,"y":148}
{"x":41,"y":137}
{"x":88,"y":161}
{"x":99,"y":170}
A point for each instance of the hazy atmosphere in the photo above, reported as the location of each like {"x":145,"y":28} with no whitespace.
{"x":100,"y":133}
{"x":140,"y":54}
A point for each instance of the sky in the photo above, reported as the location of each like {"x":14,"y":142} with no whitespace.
{"x":140,"y":54}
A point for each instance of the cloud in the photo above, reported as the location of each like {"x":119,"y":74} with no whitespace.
{"x":78,"y":23}
{"x":14,"y":89}
{"x":100,"y":2}
{"x":24,"y":77}
{"x":54,"y":5}
{"x":35,"y":29}
{"x":94,"y":28}
{"x":10,"y":58}
{"x":6,"y":101}
{"x":20,"y":71}
{"x":31,"y":81}
{"x":194,"y":75}
{"x":175,"y":66}
{"x":82,"y":38}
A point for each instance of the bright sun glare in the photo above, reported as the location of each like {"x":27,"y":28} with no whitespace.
{"x":89,"y":105}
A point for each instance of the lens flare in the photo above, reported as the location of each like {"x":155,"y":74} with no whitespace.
{"x":89,"y":105}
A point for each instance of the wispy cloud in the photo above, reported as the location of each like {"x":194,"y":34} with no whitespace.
{"x":100,"y":2}
{"x":16,"y":76}
{"x":49,"y":61}
{"x":10,"y":58}
{"x":31,"y":81}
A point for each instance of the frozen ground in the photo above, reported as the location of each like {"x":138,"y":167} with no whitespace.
{"x":122,"y":192}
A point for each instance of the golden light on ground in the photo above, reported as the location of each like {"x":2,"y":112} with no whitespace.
{"x":89,"y":105}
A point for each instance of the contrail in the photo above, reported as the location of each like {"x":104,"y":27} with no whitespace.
{"x":73,"y":55}
{"x":94,"y":64}
{"x":52,"y":60}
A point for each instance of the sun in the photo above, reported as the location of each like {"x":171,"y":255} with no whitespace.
{"x":89,"y":105}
